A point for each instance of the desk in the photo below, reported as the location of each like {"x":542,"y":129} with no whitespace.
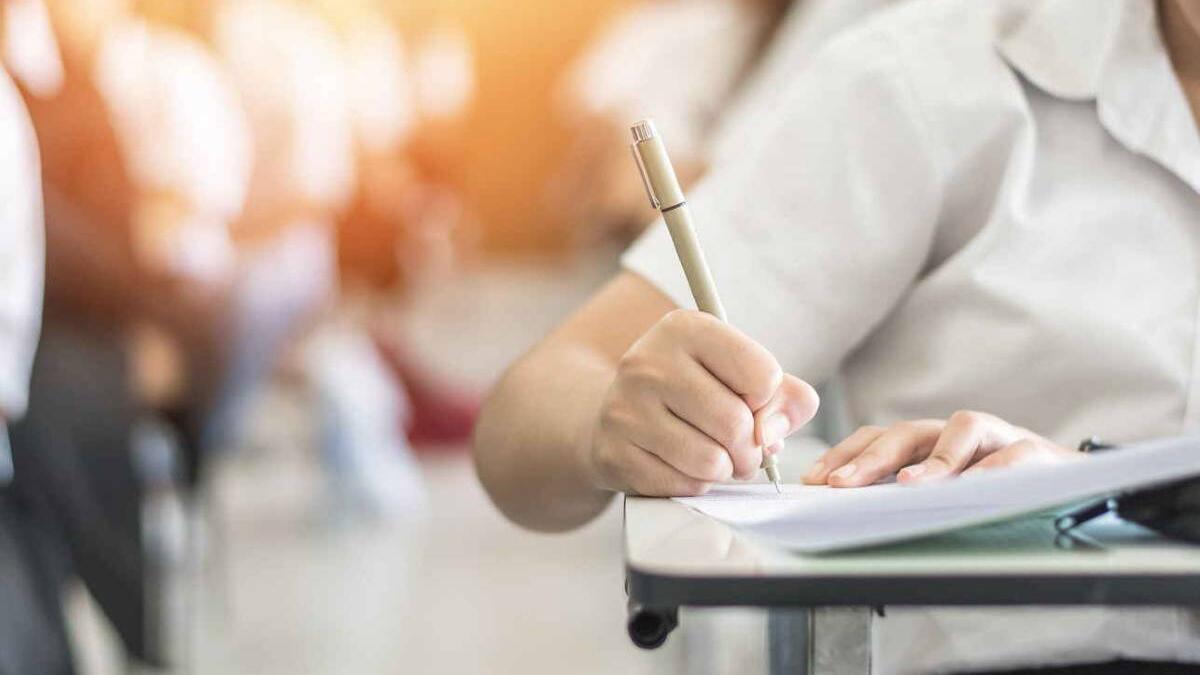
{"x":676,"y":557}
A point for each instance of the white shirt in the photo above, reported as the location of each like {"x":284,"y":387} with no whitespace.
{"x":22,"y":251}
{"x":182,"y":130}
{"x":674,"y":60}
{"x":984,"y":205}
{"x":803,"y":30}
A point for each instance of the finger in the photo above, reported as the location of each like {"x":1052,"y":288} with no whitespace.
{"x":647,"y":474}
{"x":740,"y":363}
{"x":840,"y":454}
{"x":686,"y":449}
{"x":1006,"y":456}
{"x":695,"y":396}
{"x":791,"y":407}
{"x":899,"y":445}
{"x":773,"y":449}
{"x":1027,"y":451}
{"x":966,"y":435}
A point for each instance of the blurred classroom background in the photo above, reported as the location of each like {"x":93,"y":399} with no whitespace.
{"x":289,"y":244}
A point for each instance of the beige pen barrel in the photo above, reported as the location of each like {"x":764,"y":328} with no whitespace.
{"x":662,"y":187}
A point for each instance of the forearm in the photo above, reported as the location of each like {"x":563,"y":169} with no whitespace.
{"x":534,"y":434}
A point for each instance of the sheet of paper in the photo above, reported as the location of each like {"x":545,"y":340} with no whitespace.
{"x":817,"y":519}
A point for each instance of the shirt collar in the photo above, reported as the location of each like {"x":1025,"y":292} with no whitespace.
{"x":1110,"y":52}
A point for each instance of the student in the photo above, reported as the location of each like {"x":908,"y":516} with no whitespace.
{"x":140,"y":174}
{"x":22,"y":254}
{"x":287,"y":66}
{"x":32,"y":632}
{"x":960,"y":205}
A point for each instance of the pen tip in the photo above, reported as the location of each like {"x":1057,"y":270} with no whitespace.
{"x":777,"y":488}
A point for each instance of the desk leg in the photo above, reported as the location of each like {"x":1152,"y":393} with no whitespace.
{"x":841,"y":641}
{"x":789,"y":641}
{"x":828,"y":641}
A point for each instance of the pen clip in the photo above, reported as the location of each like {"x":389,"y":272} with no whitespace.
{"x":637,"y":158}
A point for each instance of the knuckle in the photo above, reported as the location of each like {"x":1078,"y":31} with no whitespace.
{"x":613,"y":415}
{"x":743,"y":427}
{"x":736,"y":426}
{"x":764,"y":372}
{"x":712,"y":465}
{"x":679,"y":321}
{"x":638,"y":372}
{"x":607,"y":463}
{"x":747,"y":460}
{"x":634,"y":362}
{"x":966,"y":418}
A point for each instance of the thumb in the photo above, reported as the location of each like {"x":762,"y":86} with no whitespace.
{"x":791,"y":407}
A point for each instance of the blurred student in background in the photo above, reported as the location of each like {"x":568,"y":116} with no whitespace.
{"x":144,"y":164}
{"x":401,"y":229}
{"x":286,"y":65}
{"x":364,"y":409}
{"x":32,"y":633}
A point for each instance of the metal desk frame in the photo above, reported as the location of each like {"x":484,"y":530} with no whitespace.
{"x":675,"y":557}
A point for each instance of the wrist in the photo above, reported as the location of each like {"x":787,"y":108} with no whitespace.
{"x":584,"y":444}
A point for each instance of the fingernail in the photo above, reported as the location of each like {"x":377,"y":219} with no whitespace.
{"x":815,"y":470}
{"x":844,"y":472}
{"x":775,"y":428}
{"x":912,"y":471}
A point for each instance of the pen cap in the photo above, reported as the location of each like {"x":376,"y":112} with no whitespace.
{"x":659,"y":174}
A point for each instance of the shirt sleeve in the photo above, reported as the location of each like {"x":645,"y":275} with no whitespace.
{"x":678,"y":61}
{"x":22,"y":251}
{"x":824,"y":218}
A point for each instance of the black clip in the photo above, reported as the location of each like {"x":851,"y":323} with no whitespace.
{"x":1073,"y":519}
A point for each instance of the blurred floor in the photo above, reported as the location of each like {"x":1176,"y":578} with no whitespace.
{"x":462,"y":592}
{"x":457,"y":590}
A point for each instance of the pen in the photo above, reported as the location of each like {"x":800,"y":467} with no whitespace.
{"x":662,"y":187}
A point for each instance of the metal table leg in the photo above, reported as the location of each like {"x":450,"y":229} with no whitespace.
{"x":841,"y":641}
{"x":831,"y":641}
{"x":789,"y":641}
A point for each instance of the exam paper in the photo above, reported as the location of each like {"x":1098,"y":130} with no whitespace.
{"x":818,"y":518}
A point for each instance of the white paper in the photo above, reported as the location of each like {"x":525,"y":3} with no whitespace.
{"x":818,"y":519}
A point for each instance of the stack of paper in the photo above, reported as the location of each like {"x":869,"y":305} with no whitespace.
{"x":817,"y":519}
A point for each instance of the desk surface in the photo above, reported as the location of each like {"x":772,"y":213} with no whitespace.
{"x":677,"y":557}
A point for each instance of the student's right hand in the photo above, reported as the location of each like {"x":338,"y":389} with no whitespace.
{"x":694,"y":402}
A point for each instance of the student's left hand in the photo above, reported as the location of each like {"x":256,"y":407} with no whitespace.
{"x":922,"y":450}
